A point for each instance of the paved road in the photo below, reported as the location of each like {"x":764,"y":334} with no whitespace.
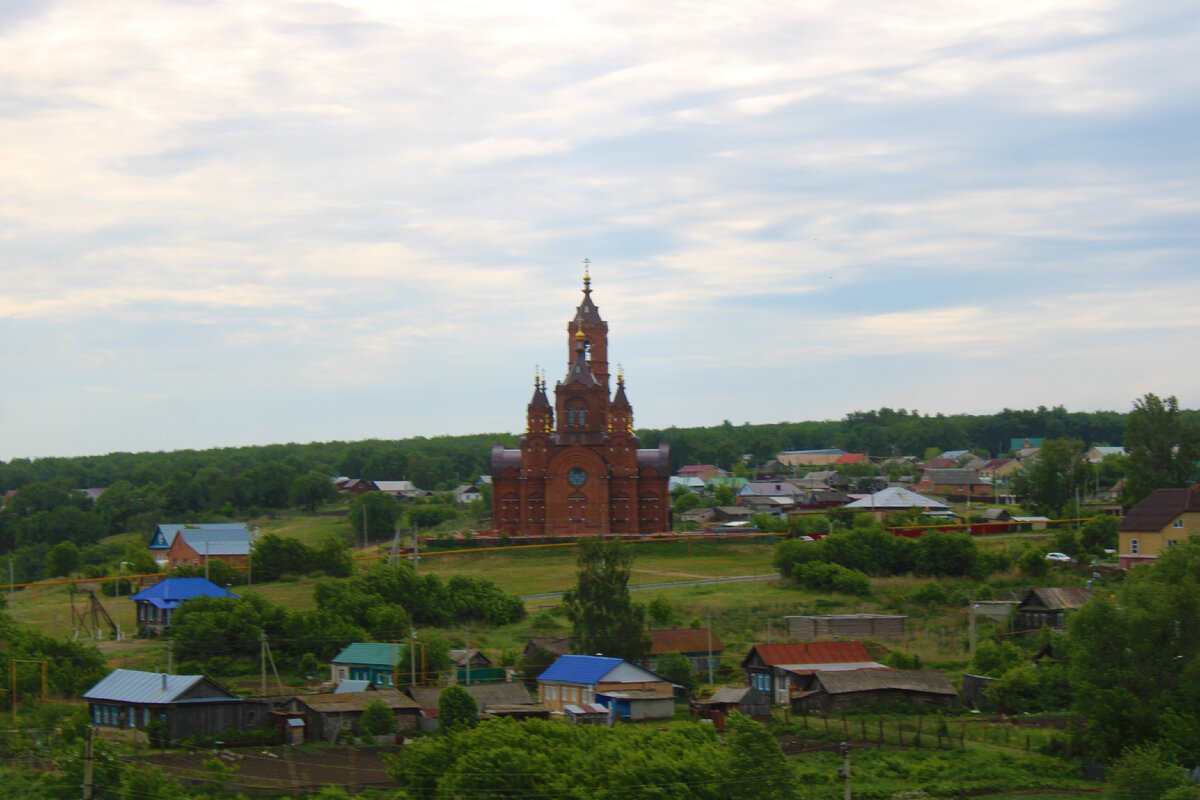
{"x":642,"y":587}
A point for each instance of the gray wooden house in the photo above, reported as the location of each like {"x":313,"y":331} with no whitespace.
{"x":1048,"y":607}
{"x":188,"y":704}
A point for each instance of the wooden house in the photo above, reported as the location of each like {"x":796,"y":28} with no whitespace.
{"x":699,"y":645}
{"x":368,"y":661}
{"x":1048,"y":607}
{"x":779,"y":670}
{"x":156,"y":604}
{"x":332,"y":717}
{"x":188,"y":704}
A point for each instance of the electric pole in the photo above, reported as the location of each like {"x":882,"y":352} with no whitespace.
{"x":844,"y":771}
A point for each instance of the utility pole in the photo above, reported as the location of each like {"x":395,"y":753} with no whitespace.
{"x":205,"y":559}
{"x":87,"y":765}
{"x":972,"y":615}
{"x":412,"y":652}
{"x":844,"y":772}
{"x":262,"y":646}
{"x":416,"y":559}
{"x":468,"y":638}
{"x":710,"y":658}
{"x":366,"y":541}
{"x":170,"y":656}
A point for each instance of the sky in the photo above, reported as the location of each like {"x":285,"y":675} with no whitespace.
{"x":237,"y":223}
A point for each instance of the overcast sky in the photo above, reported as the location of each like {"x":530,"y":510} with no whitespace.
{"x":230,"y":223}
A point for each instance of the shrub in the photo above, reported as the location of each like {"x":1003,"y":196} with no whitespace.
{"x":835,"y":577}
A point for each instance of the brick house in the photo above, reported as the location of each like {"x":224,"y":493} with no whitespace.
{"x":193,"y":546}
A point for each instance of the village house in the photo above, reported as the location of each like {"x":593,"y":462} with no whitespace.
{"x":188,"y":705}
{"x":368,"y":661}
{"x":810,"y":458}
{"x":1048,"y":607}
{"x":611,"y":682}
{"x":333,"y":717}
{"x":1163,"y":519}
{"x":164,"y":535}
{"x":194,"y":547}
{"x":701,"y":471}
{"x":699,"y":645}
{"x":156,"y":604}
{"x":953,"y":483}
{"x":781,"y":669}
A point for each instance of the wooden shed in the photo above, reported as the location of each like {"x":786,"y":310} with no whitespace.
{"x":728,"y":699}
{"x":847,"y":626}
{"x":330,"y":717}
{"x":832,"y":691}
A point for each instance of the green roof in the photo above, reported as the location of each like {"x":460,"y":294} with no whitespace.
{"x":373,"y":654}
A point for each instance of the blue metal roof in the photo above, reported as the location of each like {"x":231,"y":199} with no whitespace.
{"x":579,"y":669}
{"x":217,"y":543}
{"x":175,"y":590}
{"x":133,"y":686}
{"x":165,"y":533}
{"x":371,"y":654}
{"x":344,"y":687}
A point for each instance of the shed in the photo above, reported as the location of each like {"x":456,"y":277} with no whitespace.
{"x":638,"y":705}
{"x":832,"y":691}
{"x":587,"y":713}
{"x":727,"y":699}
{"x":850,"y":626}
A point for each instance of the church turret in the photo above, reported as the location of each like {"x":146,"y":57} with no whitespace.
{"x":582,"y":401}
{"x":595,"y":332}
{"x":540,"y":415}
{"x":620,"y":413}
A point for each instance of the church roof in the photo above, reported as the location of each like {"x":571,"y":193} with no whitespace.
{"x":539,"y":395}
{"x":587,"y":311}
{"x":580,"y":371}
{"x":619,"y":399}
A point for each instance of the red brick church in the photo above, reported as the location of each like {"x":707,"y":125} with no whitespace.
{"x":579,"y":469}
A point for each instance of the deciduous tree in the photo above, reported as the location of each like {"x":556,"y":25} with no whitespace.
{"x":1162,"y":449}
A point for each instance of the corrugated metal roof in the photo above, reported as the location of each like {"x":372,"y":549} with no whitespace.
{"x":636,"y":694}
{"x":134,"y":686}
{"x":165,"y":533}
{"x":786,"y":655}
{"x":344,"y":687}
{"x":581,"y":709}
{"x":373,"y":654}
{"x":218,"y":542}
{"x":866,"y":680}
{"x":682,"y":640}
{"x":809,"y":669}
{"x":494,"y":694}
{"x":895,"y":497}
{"x":176,"y":590}
{"x":579,"y":669}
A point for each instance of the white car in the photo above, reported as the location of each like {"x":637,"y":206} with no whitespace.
{"x":1058,"y":558}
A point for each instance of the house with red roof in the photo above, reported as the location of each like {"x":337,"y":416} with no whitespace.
{"x":781,"y":670}
{"x":699,"y":645}
{"x":1163,"y":519}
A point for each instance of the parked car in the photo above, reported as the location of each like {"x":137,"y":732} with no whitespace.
{"x":1058,"y":558}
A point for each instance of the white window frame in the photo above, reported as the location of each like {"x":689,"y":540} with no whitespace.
{"x":1179,"y":523}
{"x":1133,"y":547}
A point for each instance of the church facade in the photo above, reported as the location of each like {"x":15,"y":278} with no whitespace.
{"x":579,"y":470}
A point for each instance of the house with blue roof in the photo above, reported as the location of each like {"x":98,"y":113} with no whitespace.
{"x":164,"y":534}
{"x":156,"y":603}
{"x":374,"y":662}
{"x":187,"y":704}
{"x":635,"y":693}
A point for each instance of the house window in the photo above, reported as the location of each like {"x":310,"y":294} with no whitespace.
{"x":1133,"y":547}
{"x":551,"y":692}
{"x":1172,"y":542}
{"x":1179,"y":523}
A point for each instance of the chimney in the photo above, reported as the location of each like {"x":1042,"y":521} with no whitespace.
{"x":164,"y":681}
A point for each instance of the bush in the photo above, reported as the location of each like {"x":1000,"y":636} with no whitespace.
{"x":377,"y":719}
{"x":833,"y":577}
